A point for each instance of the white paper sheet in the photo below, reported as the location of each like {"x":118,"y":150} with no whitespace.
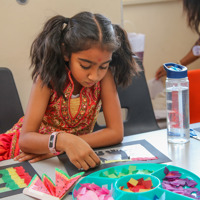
{"x":155,"y":87}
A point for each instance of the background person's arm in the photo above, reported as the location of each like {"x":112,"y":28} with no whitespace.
{"x":186,"y":60}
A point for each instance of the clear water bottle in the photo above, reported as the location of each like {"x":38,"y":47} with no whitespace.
{"x":177,"y":102}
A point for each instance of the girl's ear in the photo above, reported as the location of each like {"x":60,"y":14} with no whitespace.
{"x":66,"y":58}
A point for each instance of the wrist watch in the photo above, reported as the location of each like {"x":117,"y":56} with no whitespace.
{"x":52,"y":142}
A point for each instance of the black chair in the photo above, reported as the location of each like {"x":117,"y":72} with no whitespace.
{"x":10,"y":105}
{"x":136,"y":99}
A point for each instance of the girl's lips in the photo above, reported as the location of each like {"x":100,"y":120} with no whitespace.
{"x":90,"y":83}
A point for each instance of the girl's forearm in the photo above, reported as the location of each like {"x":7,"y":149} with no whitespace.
{"x":34,"y":142}
{"x":37,"y":143}
{"x":104,"y":137}
{"x":189,"y":58}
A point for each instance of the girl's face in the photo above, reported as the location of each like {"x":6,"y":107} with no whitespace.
{"x":89,"y":66}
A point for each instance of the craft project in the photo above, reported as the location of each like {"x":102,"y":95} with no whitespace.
{"x":155,"y":182}
{"x":112,"y":173}
{"x":92,"y":191}
{"x":173,"y":182}
{"x":126,"y":153}
{"x":46,"y":189}
{"x":138,"y":185}
{"x":15,"y":177}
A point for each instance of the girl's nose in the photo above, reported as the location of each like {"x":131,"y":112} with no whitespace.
{"x":93,"y":75}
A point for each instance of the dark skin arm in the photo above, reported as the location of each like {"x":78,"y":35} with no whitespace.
{"x":186,"y":60}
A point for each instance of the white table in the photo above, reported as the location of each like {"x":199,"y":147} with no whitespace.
{"x":182,"y":155}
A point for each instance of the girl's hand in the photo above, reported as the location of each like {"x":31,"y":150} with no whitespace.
{"x":32,"y":157}
{"x":78,"y":151}
{"x":160,"y":72}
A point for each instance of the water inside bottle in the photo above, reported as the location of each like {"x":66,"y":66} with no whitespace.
{"x":178,"y":114}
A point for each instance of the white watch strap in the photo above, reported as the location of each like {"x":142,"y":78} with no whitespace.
{"x":52,"y":142}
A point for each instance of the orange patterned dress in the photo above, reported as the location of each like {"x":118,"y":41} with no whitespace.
{"x":74,"y":116}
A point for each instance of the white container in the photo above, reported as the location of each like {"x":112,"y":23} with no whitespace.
{"x":177,"y":103}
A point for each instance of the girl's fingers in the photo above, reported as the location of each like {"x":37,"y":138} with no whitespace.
{"x":23,"y":157}
{"x":80,"y":164}
{"x":84,"y":165}
{"x":76,"y":164}
{"x":94,"y":157}
{"x":32,"y":157}
{"x":90,"y":162}
{"x":41,"y":157}
{"x":18,"y":157}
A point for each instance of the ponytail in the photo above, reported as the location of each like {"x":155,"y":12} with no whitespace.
{"x":46,"y":55}
{"x":123,"y":64}
{"x":62,"y":35}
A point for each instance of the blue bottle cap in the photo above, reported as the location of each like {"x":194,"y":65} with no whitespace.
{"x":175,"y":70}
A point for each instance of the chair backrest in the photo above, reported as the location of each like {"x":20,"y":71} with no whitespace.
{"x":10,"y":105}
{"x":194,"y":95}
{"x":136,"y":99}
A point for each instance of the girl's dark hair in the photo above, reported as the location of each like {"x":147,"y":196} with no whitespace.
{"x":192,"y":8}
{"x":62,"y":35}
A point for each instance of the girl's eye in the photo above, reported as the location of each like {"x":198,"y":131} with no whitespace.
{"x":85,"y":67}
{"x":104,"y":67}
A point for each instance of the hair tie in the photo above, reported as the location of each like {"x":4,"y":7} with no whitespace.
{"x":66,"y":21}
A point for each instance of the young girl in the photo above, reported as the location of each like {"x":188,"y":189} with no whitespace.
{"x":77,"y":63}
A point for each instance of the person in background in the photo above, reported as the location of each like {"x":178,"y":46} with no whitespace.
{"x":77,"y":64}
{"x":192,"y":9}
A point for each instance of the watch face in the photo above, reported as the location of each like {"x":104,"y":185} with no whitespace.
{"x":51,"y":141}
{"x":50,"y":144}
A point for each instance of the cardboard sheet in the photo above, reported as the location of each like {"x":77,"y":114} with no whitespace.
{"x":139,"y":151}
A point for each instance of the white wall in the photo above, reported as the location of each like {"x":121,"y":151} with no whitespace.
{"x":20,"y":24}
{"x":167,"y":36}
